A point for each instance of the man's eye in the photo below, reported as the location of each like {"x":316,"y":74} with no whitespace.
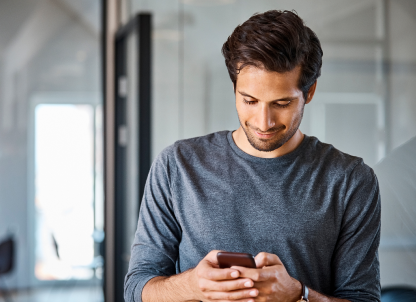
{"x":283,"y":104}
{"x":249,"y":102}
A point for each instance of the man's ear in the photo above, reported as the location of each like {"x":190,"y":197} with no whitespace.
{"x":311,"y":92}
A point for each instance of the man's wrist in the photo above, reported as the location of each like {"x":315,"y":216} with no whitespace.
{"x":193,"y":284}
{"x":297,"y":290}
{"x":189,"y":288}
{"x":179,"y":287}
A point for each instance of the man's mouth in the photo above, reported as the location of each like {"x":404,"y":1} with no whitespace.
{"x":265,"y":135}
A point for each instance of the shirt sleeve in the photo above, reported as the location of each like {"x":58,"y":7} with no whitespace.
{"x":355,"y":264}
{"x":155,"y":248}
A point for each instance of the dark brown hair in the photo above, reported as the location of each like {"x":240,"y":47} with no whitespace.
{"x":277,"y":41}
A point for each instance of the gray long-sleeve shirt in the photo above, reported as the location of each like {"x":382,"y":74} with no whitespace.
{"x":316,"y":208}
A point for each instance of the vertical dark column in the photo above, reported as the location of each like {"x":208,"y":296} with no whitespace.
{"x":144,"y":30}
{"x":104,"y":31}
{"x":120,"y":166}
{"x":141,"y":26}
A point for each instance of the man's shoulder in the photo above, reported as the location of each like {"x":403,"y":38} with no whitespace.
{"x":195,"y":145}
{"x":206,"y":145}
{"x":335,"y":160}
{"x":213,"y":139}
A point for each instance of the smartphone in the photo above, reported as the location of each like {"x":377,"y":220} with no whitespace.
{"x":228,"y":259}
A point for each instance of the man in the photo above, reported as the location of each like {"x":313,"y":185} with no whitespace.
{"x":310,"y":213}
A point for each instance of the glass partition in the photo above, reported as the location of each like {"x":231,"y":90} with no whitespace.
{"x":364,"y":104}
{"x":51,"y":166}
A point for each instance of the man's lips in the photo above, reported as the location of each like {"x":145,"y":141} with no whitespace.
{"x":265,"y":135}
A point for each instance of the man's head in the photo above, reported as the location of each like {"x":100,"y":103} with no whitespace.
{"x":273,"y":60}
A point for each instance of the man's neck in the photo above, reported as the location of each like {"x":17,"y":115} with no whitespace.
{"x":242,"y":142}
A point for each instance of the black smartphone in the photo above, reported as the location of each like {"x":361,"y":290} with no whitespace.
{"x":228,"y":259}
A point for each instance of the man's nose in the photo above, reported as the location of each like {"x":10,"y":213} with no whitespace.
{"x":265,"y":119}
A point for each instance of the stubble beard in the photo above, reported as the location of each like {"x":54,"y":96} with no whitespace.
{"x":267,"y":145}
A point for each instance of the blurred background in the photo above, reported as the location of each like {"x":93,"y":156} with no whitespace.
{"x":91,"y":91}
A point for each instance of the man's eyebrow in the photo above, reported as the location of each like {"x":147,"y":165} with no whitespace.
{"x":287,"y":99}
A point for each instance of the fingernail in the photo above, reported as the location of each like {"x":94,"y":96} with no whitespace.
{"x":234,"y":274}
{"x":253,"y":293}
{"x":247,"y":284}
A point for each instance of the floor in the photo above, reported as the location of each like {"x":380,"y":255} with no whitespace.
{"x":69,"y":293}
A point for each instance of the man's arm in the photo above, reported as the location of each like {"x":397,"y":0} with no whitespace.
{"x":355,"y":264}
{"x":169,"y":289}
{"x":155,"y":248}
{"x":315,"y":297}
{"x":275,"y":284}
{"x":206,"y":282}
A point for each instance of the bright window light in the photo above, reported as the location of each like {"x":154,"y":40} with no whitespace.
{"x":64,"y":191}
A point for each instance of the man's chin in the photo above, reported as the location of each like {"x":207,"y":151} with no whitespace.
{"x":265,"y":145}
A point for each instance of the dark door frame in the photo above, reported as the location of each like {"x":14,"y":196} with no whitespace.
{"x":139,"y":25}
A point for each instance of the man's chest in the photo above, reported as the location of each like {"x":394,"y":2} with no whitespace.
{"x":253,"y":218}
{"x":246,"y":209}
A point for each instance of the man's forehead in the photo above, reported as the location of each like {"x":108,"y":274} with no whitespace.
{"x":261,"y":83}
{"x":260,"y":70}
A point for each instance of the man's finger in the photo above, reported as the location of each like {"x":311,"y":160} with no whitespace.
{"x":225,"y":286}
{"x":266,"y":259}
{"x":240,"y":300}
{"x":212,"y":256}
{"x":234,"y":295}
{"x":255,"y":274}
{"x":206,"y":271}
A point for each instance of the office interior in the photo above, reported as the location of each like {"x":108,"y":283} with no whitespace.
{"x":91,"y":91}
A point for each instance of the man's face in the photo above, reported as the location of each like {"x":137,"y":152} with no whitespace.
{"x":269,"y":106}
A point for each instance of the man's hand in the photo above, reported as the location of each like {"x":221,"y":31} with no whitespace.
{"x":207,"y":282}
{"x":212,"y":283}
{"x":271,"y":279}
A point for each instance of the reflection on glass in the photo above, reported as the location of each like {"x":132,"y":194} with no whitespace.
{"x":64,"y":169}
